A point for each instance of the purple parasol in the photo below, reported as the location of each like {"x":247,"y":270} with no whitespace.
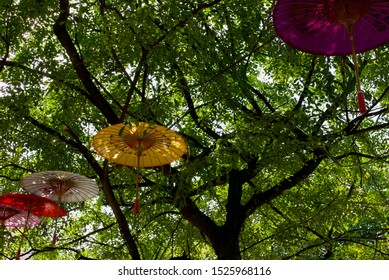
{"x":334,"y":27}
{"x":323,"y":26}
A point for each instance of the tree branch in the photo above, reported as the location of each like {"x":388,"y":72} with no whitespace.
{"x":355,"y":123}
{"x":78,"y":145}
{"x":4,"y":59}
{"x":138,"y":70}
{"x":189,"y":101}
{"x":184,"y":21}
{"x":33,"y":251}
{"x":263,"y":98}
{"x":141,"y":65}
{"x":103,"y":175}
{"x":372,"y":157}
{"x":192,"y":213}
{"x":369,"y":129}
{"x":95,"y":95}
{"x":16,"y":166}
{"x":263,"y":197}
{"x":306,"y":85}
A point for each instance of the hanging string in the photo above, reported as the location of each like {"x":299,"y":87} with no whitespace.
{"x":22,"y":237}
{"x":54,"y":240}
{"x":360,"y":93}
{"x":137,"y":179}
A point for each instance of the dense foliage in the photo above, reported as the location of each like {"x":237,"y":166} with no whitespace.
{"x":280,"y":164}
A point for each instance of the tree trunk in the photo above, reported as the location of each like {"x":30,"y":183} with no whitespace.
{"x":226,"y":246}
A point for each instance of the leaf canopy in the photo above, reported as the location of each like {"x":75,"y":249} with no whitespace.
{"x":280,"y":164}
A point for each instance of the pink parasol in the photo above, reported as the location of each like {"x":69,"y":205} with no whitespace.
{"x":13,"y":217}
{"x":333,"y":27}
{"x":7,"y":212}
{"x":32,"y":204}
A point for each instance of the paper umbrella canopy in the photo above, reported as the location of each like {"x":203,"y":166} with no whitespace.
{"x":34,"y":204}
{"x":332,"y":27}
{"x":139,"y":145}
{"x":61,"y":186}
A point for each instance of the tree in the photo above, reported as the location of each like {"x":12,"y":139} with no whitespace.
{"x":280,"y":164}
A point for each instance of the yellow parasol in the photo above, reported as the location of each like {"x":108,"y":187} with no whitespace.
{"x":139,"y":145}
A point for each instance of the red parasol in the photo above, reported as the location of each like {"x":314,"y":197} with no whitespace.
{"x":333,"y":27}
{"x":34,"y":204}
